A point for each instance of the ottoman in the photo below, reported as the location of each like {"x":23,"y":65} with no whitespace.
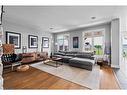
{"x":82,"y":63}
{"x":23,"y":68}
{"x":66,"y":59}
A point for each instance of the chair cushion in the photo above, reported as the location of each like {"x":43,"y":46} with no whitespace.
{"x":19,"y":57}
{"x":6,"y":58}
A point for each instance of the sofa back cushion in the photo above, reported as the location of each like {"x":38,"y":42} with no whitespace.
{"x":83,"y":55}
{"x":59,"y":53}
{"x":87,"y":55}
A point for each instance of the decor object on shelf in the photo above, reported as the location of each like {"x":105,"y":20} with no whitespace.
{"x":24,"y":49}
{"x":45,"y":42}
{"x":56,"y":47}
{"x":13,"y":38}
{"x":51,"y":55}
{"x":32,"y":41}
{"x":75,"y":42}
{"x":88,"y":46}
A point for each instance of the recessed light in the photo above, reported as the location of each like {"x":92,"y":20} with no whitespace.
{"x":51,"y":28}
{"x":93,"y":17}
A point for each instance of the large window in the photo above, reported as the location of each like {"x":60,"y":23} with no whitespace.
{"x":124,"y":49}
{"x":62,"y":42}
{"x":94,"y":41}
{"x":88,"y":44}
{"x":98,"y":45}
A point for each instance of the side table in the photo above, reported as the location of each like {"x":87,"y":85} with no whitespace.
{"x":100,"y":62}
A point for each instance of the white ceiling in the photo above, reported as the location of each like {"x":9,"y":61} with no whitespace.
{"x":60,"y":18}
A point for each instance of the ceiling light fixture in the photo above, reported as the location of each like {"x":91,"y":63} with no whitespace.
{"x":51,"y":28}
{"x":60,"y":30}
{"x":93,"y":17}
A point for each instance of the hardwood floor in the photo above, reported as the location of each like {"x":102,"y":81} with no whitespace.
{"x":121,"y":74}
{"x":108,"y":80}
{"x":37,"y":79}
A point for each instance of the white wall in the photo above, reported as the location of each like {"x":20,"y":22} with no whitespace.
{"x":121,"y":13}
{"x":79,"y":33}
{"x":115,"y":38}
{"x":25,"y":31}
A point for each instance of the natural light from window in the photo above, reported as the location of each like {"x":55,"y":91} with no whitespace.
{"x":94,"y":41}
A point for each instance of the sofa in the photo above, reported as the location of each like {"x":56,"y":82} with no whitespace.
{"x":83,"y":60}
{"x":34,"y":56}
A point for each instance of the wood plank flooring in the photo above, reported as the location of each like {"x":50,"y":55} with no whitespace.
{"x":108,"y":79}
{"x":37,"y":79}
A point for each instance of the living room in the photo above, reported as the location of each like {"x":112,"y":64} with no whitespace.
{"x":61,"y":42}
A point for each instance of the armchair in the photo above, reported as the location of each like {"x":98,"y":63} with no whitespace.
{"x":11,"y":60}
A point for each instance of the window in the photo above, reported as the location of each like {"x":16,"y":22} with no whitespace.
{"x":124,"y":45}
{"x":98,"y":45}
{"x":62,"y":42}
{"x":94,"y":41}
{"x":88,"y":44}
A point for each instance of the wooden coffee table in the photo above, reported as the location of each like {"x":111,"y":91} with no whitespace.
{"x":54,"y":61}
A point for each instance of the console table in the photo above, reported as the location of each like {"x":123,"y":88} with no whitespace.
{"x":100,"y":58}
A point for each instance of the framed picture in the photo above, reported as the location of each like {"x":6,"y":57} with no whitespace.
{"x":75,"y":42}
{"x":13,"y":38}
{"x":45,"y":42}
{"x":32,"y":41}
{"x":1,"y":14}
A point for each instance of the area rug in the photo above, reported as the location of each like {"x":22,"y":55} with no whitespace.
{"x":90,"y":79}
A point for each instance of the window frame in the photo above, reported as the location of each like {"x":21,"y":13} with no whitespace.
{"x":62,"y":41}
{"x":92,"y":36}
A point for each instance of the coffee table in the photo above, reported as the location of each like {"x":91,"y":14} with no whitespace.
{"x":54,"y":61}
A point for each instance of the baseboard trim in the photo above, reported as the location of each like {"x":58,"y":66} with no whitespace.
{"x":115,"y":66}
{"x":116,"y":79}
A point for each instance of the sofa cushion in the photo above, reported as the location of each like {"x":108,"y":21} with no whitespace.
{"x":67,"y":57}
{"x":73,"y":55}
{"x":59,"y":53}
{"x":83,"y":56}
{"x":83,"y":60}
{"x":57,"y":56}
{"x":89,"y":53}
{"x":82,"y":63}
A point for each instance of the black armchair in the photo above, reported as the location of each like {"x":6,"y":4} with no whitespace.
{"x":11,"y":60}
